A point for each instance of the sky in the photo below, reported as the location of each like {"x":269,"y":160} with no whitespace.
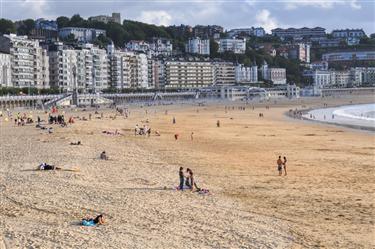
{"x":269,"y":14}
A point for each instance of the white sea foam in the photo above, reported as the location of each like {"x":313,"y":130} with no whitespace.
{"x":363,"y":112}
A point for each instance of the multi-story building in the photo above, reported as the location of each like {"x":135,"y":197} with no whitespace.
{"x":363,"y":76}
{"x":188,"y":74}
{"x":246,"y":74}
{"x":129,"y":70}
{"x":299,"y":33}
{"x":5,"y":70}
{"x":258,"y":32}
{"x":116,"y":17}
{"x":349,"y":56}
{"x":198,"y":46}
{"x":345,"y":33}
{"x":224,"y":73}
{"x":84,"y":35}
{"x":29,"y":62}
{"x":328,"y":43}
{"x":85,"y":68}
{"x":276,"y":75}
{"x":137,"y":46}
{"x":300,"y":51}
{"x":237,"y":46}
{"x":161,"y":46}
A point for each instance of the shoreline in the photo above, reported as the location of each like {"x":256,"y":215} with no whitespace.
{"x":304,"y":112}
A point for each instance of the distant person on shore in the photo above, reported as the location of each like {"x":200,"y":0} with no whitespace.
{"x":103,"y":156}
{"x":192,"y":136}
{"x":174,"y":120}
{"x":218,"y":123}
{"x":279,"y":166}
{"x":182,"y":178}
{"x":175,"y":136}
{"x":284,"y":163}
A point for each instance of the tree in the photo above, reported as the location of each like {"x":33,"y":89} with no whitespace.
{"x":25,"y":27}
{"x":102,"y":41}
{"x":62,"y":21}
{"x":7,"y":26}
{"x":77,"y":21}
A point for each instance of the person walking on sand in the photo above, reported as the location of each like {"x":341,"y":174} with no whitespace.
{"x":284,"y":163}
{"x":218,"y":124}
{"x":174,"y":120}
{"x":279,"y":165}
{"x":190,"y":179}
{"x":182,"y":178}
{"x":192,"y":136}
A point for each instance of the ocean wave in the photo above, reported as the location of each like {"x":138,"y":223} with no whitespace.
{"x":362,"y":112}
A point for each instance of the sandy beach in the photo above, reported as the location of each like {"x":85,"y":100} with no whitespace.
{"x":325,"y":201}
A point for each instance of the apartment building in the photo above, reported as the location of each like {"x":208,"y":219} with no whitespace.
{"x":346,"y":33}
{"x":300,"y":51}
{"x":276,"y":75}
{"x":237,"y":46}
{"x":188,"y":74}
{"x":246,"y":74}
{"x":349,"y":56}
{"x":84,"y":35}
{"x":29,"y":62}
{"x":258,"y":32}
{"x":198,"y":46}
{"x":5,"y":70}
{"x":299,"y":33}
{"x":129,"y":70}
{"x":161,"y":46}
{"x":224,"y":73}
{"x":85,"y":68}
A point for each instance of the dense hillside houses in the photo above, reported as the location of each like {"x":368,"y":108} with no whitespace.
{"x":105,"y":54}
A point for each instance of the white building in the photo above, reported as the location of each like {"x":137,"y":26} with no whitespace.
{"x":246,"y":74}
{"x":86,"y":69}
{"x":161,"y":46}
{"x":224,"y":73}
{"x":83,"y":35}
{"x":345,"y":33}
{"x":188,"y":74}
{"x":237,"y":46}
{"x":5,"y":70}
{"x":137,"y":46}
{"x":276,"y":75}
{"x":349,"y":56}
{"x":300,"y":52}
{"x":29,"y":62}
{"x":198,"y":46}
{"x":129,"y":70}
{"x":258,"y":32}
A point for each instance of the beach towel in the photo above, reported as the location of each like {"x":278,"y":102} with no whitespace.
{"x":88,"y":223}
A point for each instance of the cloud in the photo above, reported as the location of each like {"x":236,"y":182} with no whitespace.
{"x":324,"y":4}
{"x":158,"y":17}
{"x":36,"y":8}
{"x":264,"y":19}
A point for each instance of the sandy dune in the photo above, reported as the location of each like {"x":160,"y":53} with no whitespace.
{"x":326,"y":201}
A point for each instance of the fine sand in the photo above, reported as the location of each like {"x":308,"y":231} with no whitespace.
{"x":325,"y":201}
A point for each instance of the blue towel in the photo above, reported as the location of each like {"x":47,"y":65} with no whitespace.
{"x":88,"y":223}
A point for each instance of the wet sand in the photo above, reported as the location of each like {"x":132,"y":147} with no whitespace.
{"x":325,"y":201}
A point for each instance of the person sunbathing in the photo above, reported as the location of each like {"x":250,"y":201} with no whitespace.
{"x":76,"y":143}
{"x":45,"y":166}
{"x":98,"y":220}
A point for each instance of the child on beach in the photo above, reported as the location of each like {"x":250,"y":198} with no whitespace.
{"x":284,"y":163}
